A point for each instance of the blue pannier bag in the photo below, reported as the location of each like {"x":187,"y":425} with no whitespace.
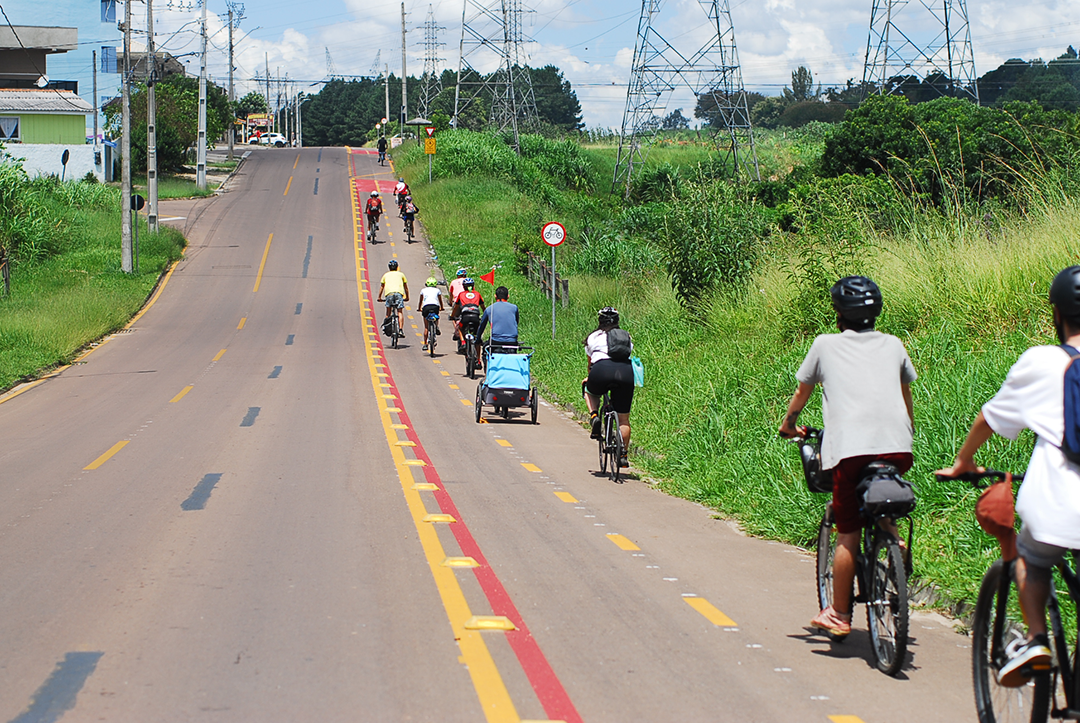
{"x":1070,"y":443}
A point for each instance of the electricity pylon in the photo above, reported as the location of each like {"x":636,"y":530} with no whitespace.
{"x":922,"y":51}
{"x":432,"y":80}
{"x":712,"y":73}
{"x":492,"y":40}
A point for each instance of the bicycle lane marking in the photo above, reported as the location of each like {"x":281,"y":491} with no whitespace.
{"x":486,"y":679}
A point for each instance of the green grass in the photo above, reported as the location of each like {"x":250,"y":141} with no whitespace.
{"x":174,"y":187}
{"x":62,"y":301}
{"x":966,"y":301}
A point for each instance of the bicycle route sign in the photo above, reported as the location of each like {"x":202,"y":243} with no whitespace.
{"x":554,"y":233}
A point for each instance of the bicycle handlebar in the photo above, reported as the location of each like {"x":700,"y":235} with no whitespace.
{"x":975,"y":478}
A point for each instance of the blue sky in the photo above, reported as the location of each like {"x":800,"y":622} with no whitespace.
{"x":591,"y":40}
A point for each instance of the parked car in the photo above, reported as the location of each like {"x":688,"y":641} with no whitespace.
{"x":269,"y":139}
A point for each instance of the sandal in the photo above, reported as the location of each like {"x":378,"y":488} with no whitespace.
{"x":837,"y":625}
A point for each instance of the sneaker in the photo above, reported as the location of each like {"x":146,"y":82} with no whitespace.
{"x":623,"y":461}
{"x":424,"y":347}
{"x":1027,"y":658}
{"x":832,"y":623}
{"x":595,"y":421}
{"x":438,"y":331}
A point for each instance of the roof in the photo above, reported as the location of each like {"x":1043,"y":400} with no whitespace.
{"x":42,"y":101}
{"x":49,"y":39}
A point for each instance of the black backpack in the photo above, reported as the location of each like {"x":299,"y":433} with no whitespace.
{"x":618,"y":344}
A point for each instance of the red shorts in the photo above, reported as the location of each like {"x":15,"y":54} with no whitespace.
{"x":845,"y":500}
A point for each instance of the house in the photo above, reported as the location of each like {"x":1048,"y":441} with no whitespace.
{"x":43,"y":122}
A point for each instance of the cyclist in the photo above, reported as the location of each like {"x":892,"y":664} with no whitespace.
{"x":401,"y":190}
{"x":430,"y":303}
{"x":866,"y":378}
{"x":394,"y":287}
{"x":503,"y":317}
{"x":382,"y":149}
{"x":468,"y":306}
{"x":608,"y":375}
{"x":409,"y":211}
{"x":374,"y":209}
{"x":456,"y":287}
{"x":1032,"y":397}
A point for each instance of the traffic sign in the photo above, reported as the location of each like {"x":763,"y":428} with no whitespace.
{"x":554,"y":233}
{"x":430,"y":131}
{"x":137,"y":202}
{"x":429,"y":146}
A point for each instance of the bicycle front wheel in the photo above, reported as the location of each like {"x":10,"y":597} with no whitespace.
{"x":826,"y":552}
{"x":887,"y":605}
{"x":991,"y":632}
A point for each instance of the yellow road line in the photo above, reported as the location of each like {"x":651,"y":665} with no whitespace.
{"x":494,"y":698}
{"x":287,"y":186}
{"x":566,"y":497}
{"x":467,"y":403}
{"x":183,"y":391}
{"x":624,"y":543}
{"x":531,"y":467}
{"x":712,"y":614}
{"x":108,"y":455}
{"x":500,"y":442}
{"x":262,"y":264}
{"x":845,"y":719}
{"x":243,"y":320}
{"x":296,"y":161}
{"x":220,"y":354}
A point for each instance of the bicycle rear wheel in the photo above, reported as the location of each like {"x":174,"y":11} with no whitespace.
{"x":395,"y":332}
{"x":991,"y":632}
{"x":826,"y":552}
{"x":613,"y":442}
{"x":470,"y":360}
{"x":887,"y":605}
{"x":431,"y":338}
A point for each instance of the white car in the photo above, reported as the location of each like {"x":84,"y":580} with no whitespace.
{"x":269,"y":139}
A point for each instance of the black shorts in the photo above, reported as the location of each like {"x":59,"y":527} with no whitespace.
{"x":429,"y":309}
{"x":616,"y":377}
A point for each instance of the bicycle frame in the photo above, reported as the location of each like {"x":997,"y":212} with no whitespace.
{"x":1070,"y":681}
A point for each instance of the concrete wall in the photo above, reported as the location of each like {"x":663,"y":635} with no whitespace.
{"x":43,"y":159}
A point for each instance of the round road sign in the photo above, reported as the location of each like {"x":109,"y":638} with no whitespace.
{"x":554,"y":233}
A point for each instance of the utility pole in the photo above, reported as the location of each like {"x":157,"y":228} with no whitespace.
{"x":232,"y":113}
{"x":386,"y":87}
{"x":266,"y":57}
{"x":151,"y":124}
{"x":200,"y":168}
{"x":404,"y":74}
{"x":94,"y":100}
{"x":125,"y":148}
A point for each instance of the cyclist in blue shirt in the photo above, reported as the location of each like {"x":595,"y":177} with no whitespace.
{"x":503,"y":317}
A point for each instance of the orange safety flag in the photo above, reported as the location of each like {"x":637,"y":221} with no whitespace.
{"x":489,"y":277}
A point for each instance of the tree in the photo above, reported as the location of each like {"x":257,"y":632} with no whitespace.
{"x":253,"y":102}
{"x":675,"y":121}
{"x":707,"y":103}
{"x":767,"y":113}
{"x":556,"y":101}
{"x":802,"y":85}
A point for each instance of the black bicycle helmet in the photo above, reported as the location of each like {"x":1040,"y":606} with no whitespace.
{"x":1065,"y":292}
{"x":393,"y":264}
{"x":608,"y":316}
{"x":856,"y":299}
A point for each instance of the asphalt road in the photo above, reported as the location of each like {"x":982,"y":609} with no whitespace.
{"x":245,"y":508}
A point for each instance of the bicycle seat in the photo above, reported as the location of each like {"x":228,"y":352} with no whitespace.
{"x":879,"y":469}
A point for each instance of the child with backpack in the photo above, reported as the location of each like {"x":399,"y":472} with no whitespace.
{"x":610,"y":370}
{"x":1040,"y":393}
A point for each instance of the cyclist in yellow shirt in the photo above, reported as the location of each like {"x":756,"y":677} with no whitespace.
{"x":395,"y":287}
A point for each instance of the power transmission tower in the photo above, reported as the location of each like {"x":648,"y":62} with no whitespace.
{"x":491,"y":35}
{"x":376,"y":69}
{"x":922,"y":51}
{"x":712,"y":73}
{"x":331,"y":71}
{"x":432,"y":79}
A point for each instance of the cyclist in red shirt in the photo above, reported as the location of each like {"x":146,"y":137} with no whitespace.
{"x":374,"y":209}
{"x":468,"y":306}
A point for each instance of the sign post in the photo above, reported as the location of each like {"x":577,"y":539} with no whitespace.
{"x":429,"y":148}
{"x":553,"y":233}
{"x":137,"y":203}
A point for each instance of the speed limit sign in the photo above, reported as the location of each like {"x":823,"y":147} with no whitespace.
{"x":554,"y":233}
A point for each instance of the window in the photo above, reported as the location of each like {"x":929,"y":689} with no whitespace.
{"x":9,"y":128}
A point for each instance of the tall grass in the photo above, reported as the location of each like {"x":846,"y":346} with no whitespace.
{"x":966,"y":296}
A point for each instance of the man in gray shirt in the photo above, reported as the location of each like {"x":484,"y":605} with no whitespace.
{"x":865,"y":377}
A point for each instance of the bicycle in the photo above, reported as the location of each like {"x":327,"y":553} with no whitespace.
{"x":432,"y":331}
{"x":610,"y":443}
{"x":373,"y":227}
{"x":992,"y":632}
{"x":382,"y":158}
{"x":881,"y":570}
{"x":392,"y":327}
{"x":409,"y":229}
{"x":470,"y":355}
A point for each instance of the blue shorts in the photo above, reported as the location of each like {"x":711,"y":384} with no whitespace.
{"x":395,"y":301}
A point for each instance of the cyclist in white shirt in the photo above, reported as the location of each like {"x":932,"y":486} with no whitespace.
{"x":430,"y":302}
{"x":1032,"y":397}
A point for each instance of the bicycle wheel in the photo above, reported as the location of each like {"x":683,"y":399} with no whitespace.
{"x":431,"y":338}
{"x":602,"y":444}
{"x":395,"y":332}
{"x":470,"y":360}
{"x":479,"y":402}
{"x":887,"y":605}
{"x":613,"y":443}
{"x":991,"y":632}
{"x":826,"y":551}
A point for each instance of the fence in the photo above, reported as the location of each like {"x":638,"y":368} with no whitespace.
{"x":540,"y":273}
{"x":5,"y":272}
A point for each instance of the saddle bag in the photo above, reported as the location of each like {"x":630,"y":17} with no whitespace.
{"x":884,"y":493}
{"x":817,"y":479}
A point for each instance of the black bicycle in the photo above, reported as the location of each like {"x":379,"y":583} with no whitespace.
{"x":610,"y":443}
{"x":992,"y":632}
{"x":393,"y":328}
{"x":881,"y":572}
{"x":382,"y":158}
{"x":431,"y":331}
{"x":373,"y":227}
{"x":409,"y":235}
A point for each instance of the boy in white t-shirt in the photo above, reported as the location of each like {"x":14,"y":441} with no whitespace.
{"x":430,"y":303}
{"x":1032,"y":397}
